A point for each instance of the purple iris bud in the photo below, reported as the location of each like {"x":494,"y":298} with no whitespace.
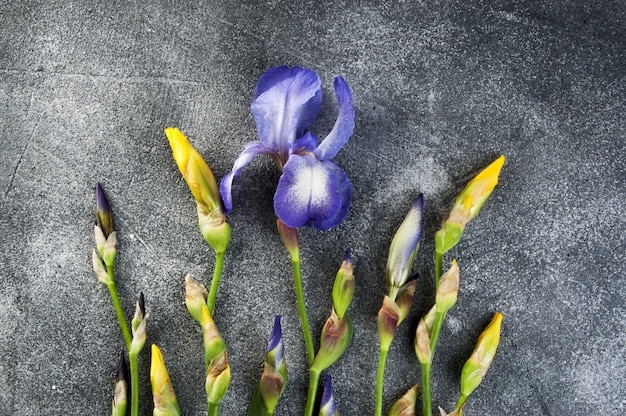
{"x":404,"y":246}
{"x":312,"y":191}
{"x":328,"y":407}
{"x":103,"y":212}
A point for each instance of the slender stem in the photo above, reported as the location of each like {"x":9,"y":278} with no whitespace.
{"x":118,"y":310}
{"x":304,"y":320}
{"x":438,"y":268}
{"x":427,"y":407}
{"x":314,"y":379}
{"x":380,"y":376}
{"x":214,"y":409}
{"x":215,"y":282}
{"x":434,"y":333}
{"x":134,"y":384}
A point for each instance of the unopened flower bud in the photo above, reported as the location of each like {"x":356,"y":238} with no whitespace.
{"x":404,"y":247}
{"x":217,"y":378}
{"x":165,"y":403}
{"x":274,"y":378}
{"x":328,"y":407}
{"x":448,"y":289}
{"x":467,"y":205}
{"x":477,"y":365}
{"x":138,"y":325}
{"x":336,"y":336}
{"x":120,"y":394}
{"x":201,"y":182}
{"x":216,"y":359}
{"x":109,"y":250}
{"x":103,"y":212}
{"x":405,"y":406}
{"x":196,"y":296}
{"x":99,"y":269}
{"x":289,"y":237}
{"x":388,"y":318}
{"x":343,"y":288}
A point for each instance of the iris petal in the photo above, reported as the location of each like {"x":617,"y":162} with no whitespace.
{"x":251,"y":150}
{"x":312,"y":192}
{"x":287,"y":102}
{"x":344,"y":126}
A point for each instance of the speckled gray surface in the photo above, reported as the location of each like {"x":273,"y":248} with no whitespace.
{"x":440,"y":88}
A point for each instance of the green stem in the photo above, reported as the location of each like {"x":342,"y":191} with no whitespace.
{"x":438,"y":268}
{"x":215,"y":282}
{"x":434,"y":333}
{"x":304,"y":320}
{"x":134,"y":385}
{"x":427,"y":407}
{"x":380,"y":376}
{"x":214,"y":409}
{"x":118,"y":309}
{"x":314,"y":379}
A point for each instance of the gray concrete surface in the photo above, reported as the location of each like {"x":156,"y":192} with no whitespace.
{"x":440,"y":87}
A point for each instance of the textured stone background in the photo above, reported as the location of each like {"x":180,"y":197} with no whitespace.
{"x":441,"y":88}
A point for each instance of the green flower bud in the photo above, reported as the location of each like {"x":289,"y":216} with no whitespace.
{"x":343,"y":288}
{"x":138,"y":325}
{"x":448,"y":289}
{"x":216,"y":359}
{"x":109,"y":251}
{"x":120,"y":394}
{"x":99,"y":269}
{"x":336,"y":336}
{"x":196,"y":296}
{"x":477,"y":365}
{"x":218,"y":377}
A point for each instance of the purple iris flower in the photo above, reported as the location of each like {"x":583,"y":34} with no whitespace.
{"x":312,"y":190}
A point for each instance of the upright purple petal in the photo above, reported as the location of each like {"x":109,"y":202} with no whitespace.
{"x":312,"y":192}
{"x":405,"y":244}
{"x":344,"y":126}
{"x":287,"y":102}
{"x":328,"y":407}
{"x":251,"y":150}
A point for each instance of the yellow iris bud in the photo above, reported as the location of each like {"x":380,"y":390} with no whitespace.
{"x":165,"y":403}
{"x":476,"y":367}
{"x":201,"y":181}
{"x":467,"y":205}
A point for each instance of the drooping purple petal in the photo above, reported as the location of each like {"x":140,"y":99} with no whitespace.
{"x":312,"y":193}
{"x":344,"y":126}
{"x":344,"y":191}
{"x":251,"y":150}
{"x":287,"y":102}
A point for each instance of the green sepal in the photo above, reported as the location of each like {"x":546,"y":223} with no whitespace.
{"x":336,"y":336}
